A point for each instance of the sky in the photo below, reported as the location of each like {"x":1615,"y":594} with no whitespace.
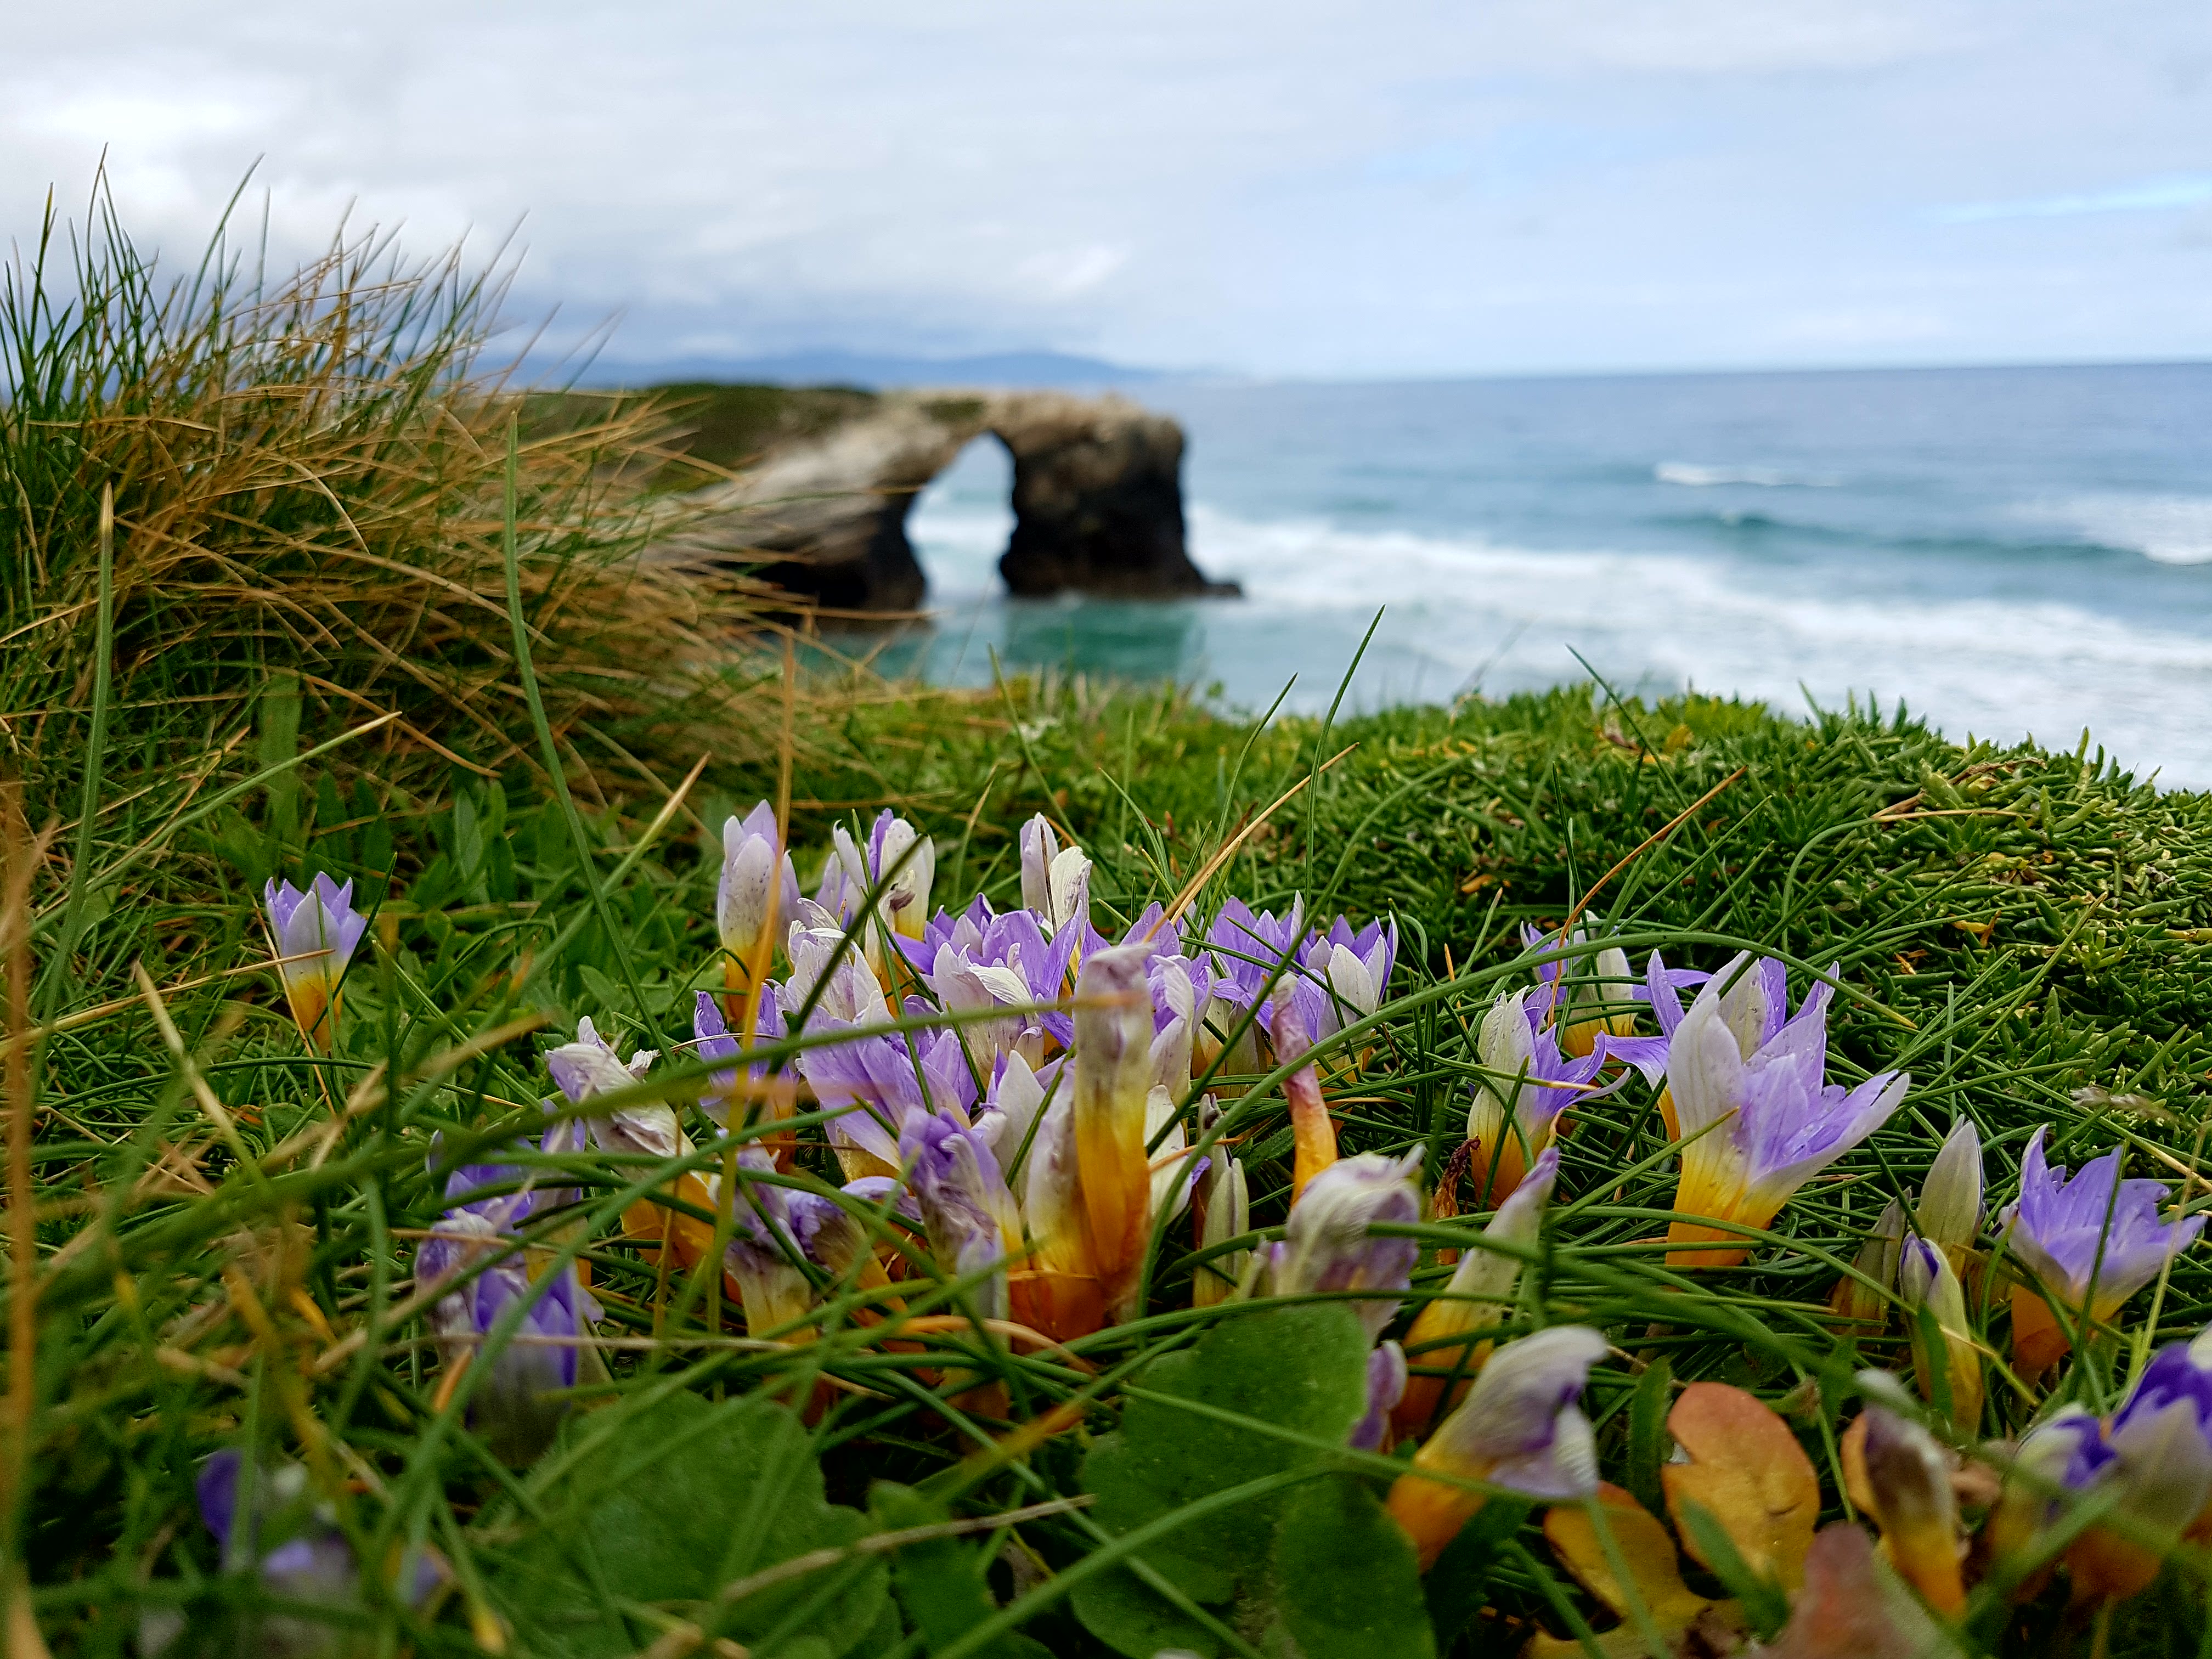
{"x":1263,"y":187}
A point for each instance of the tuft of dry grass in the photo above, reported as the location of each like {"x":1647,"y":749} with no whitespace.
{"x":308,"y":477}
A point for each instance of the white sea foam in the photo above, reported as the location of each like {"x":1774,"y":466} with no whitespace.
{"x":1994,"y":667}
{"x":2170,"y":529}
{"x":1694,"y":476}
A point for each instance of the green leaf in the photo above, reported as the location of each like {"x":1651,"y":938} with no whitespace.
{"x":1458,"y":1585}
{"x":940,"y":1581}
{"x":666,"y":1504}
{"x":1648,"y":1443}
{"x":1298,"y":1368}
{"x":1347,"y":1586}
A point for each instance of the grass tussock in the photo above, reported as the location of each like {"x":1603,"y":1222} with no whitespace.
{"x":308,"y":472}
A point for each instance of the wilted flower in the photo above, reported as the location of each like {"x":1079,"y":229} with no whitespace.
{"x":1864,"y":1307}
{"x":1114,"y":1032}
{"x":757,"y":897}
{"x":1055,"y":881}
{"x":1476,"y":1298}
{"x":1519,"y":1427}
{"x":1763,"y":1125}
{"x":1909,"y":1481}
{"x":2090,"y":1243}
{"x":316,"y":932}
{"x":1329,"y":1244}
{"x":1930,"y":1286}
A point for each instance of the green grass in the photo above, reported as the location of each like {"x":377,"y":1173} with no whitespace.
{"x":312,"y":534}
{"x":2024,"y":931}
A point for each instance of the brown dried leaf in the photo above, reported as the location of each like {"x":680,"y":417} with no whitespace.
{"x":1748,"y":1472}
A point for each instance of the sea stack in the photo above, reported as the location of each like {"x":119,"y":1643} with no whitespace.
{"x":1097,"y":499}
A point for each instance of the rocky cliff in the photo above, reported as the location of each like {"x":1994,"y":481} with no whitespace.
{"x":1097,"y":499}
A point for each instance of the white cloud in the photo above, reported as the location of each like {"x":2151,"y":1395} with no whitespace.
{"x":1295,"y":186}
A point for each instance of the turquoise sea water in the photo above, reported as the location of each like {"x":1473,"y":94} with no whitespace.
{"x":2008,"y":550}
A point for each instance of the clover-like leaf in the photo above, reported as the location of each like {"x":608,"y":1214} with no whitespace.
{"x":652,"y":1509}
{"x":1346,"y":1583}
{"x":1300,"y":1367}
{"x":1749,"y":1473}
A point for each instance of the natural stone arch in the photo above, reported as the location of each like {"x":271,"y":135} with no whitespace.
{"x":1097,"y":499}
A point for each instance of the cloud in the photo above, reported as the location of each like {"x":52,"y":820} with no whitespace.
{"x":1293,"y":186}
{"x":2151,"y":194}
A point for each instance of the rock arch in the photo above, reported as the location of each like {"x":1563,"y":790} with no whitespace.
{"x":1097,"y":499}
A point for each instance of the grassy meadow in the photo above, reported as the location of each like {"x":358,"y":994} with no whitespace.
{"x":342,"y":618}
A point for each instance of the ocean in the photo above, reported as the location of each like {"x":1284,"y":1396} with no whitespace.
{"x":2008,"y":551}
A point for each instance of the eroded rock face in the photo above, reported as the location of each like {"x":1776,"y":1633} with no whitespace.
{"x":1097,"y":500}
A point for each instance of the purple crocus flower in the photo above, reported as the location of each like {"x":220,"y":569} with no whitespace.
{"x":871,"y":1080}
{"x":1250,"y":948}
{"x":1764,"y":1122}
{"x":1352,"y":969}
{"x":292,"y":1542}
{"x":711,"y":1041}
{"x":588,"y":1068}
{"x":1328,"y":1246}
{"x":1055,"y":880}
{"x":1386,"y":1385}
{"x":969,"y":1216}
{"x":1519,"y":1427}
{"x":316,"y":932}
{"x":1007,"y":963}
{"x":509,"y":1405}
{"x":2095,"y":1240}
{"x":763,"y":1254}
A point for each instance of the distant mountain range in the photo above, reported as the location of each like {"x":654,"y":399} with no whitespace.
{"x":830,"y":367}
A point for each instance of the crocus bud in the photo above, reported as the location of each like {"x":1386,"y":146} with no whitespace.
{"x":1928,"y":1282}
{"x":1114,"y":1030}
{"x":901,"y":865}
{"x":1519,"y":1427}
{"x":1862,"y":1308}
{"x":1328,"y":1244}
{"x":1228,"y":1215}
{"x":1443,"y":1338}
{"x":1950,"y":1213}
{"x":316,"y":932}
{"x":1909,"y":1481}
{"x":757,"y":897}
{"x":1055,"y":882}
{"x":1588,"y":1016}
